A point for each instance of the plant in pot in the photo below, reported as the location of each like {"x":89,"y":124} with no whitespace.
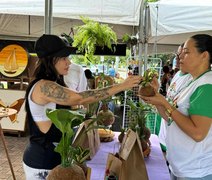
{"x":145,"y":88}
{"x":105,"y":116}
{"x":130,"y":40}
{"x":92,"y":34}
{"x":137,"y":122}
{"x":80,"y":156}
{"x":65,"y":120}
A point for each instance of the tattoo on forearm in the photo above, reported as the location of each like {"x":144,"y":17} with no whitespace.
{"x":55,"y":91}
{"x":98,"y":94}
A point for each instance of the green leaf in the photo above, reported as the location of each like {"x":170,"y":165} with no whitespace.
{"x":92,"y":34}
{"x":65,"y":120}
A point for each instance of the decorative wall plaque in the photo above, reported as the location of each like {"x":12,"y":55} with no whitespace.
{"x":13,"y":60}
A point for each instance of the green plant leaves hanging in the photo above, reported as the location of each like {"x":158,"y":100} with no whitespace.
{"x":93,"y":34}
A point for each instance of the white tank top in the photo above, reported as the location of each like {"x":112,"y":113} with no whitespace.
{"x":39,"y":111}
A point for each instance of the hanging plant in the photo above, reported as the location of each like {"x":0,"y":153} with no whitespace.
{"x":92,"y":34}
{"x":130,"y":40}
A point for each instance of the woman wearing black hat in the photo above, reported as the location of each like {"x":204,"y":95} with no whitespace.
{"x":48,"y":90}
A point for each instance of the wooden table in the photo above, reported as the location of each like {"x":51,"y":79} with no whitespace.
{"x":5,"y":112}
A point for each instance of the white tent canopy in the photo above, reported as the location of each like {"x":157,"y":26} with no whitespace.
{"x":24,"y":18}
{"x":173,"y":21}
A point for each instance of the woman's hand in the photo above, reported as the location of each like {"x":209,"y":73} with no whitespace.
{"x":155,"y":84}
{"x":132,"y":81}
{"x":157,"y":100}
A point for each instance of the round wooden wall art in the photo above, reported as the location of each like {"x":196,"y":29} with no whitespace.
{"x":13,"y":60}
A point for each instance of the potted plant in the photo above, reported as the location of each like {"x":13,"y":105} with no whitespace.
{"x":80,"y":156}
{"x":105,"y":116}
{"x":65,"y":120}
{"x":145,"y":88}
{"x":93,"y":37}
{"x":130,"y":40}
{"x":137,"y":122}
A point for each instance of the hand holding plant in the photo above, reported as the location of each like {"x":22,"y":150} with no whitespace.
{"x":145,"y":88}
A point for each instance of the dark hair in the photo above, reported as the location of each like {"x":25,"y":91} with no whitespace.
{"x":165,"y":69}
{"x":88,"y":74}
{"x":46,"y":70}
{"x":203,"y":42}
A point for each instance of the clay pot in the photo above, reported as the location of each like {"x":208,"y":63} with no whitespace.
{"x":73,"y":172}
{"x":146,"y":91}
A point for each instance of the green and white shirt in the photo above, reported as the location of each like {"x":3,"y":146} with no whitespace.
{"x":179,"y":82}
{"x":187,"y":157}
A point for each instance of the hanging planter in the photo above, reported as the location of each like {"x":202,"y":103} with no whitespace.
{"x":93,"y":38}
{"x":116,"y":50}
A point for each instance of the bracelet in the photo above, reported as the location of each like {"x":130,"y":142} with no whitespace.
{"x":169,"y":111}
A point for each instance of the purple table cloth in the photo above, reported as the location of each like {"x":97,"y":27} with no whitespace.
{"x":155,"y":163}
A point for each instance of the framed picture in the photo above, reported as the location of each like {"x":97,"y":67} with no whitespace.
{"x":13,"y":60}
{"x":13,"y":99}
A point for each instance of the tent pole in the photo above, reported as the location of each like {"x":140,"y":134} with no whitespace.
{"x":141,"y":36}
{"x":48,"y":17}
{"x":146,"y":26}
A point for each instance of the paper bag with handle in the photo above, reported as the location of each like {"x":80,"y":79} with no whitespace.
{"x":87,"y":137}
{"x":129,"y":162}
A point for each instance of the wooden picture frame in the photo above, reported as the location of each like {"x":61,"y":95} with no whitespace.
{"x":8,"y":97}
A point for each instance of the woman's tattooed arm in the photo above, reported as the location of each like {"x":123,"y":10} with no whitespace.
{"x":52,"y":90}
{"x":97,"y":93}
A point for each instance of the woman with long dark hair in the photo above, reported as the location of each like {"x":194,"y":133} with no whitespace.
{"x":48,"y":90}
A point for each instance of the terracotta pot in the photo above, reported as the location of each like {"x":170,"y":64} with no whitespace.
{"x":146,"y":91}
{"x":73,"y":172}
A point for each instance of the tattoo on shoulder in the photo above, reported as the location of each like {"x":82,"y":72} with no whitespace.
{"x":55,"y":91}
{"x":98,"y":94}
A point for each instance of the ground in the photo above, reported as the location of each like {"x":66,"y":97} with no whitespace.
{"x":16,"y":146}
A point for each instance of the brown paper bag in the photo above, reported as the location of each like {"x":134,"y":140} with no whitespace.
{"x":87,"y":139}
{"x":130,"y":163}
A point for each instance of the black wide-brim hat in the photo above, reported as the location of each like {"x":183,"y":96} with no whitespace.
{"x":52,"y":46}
